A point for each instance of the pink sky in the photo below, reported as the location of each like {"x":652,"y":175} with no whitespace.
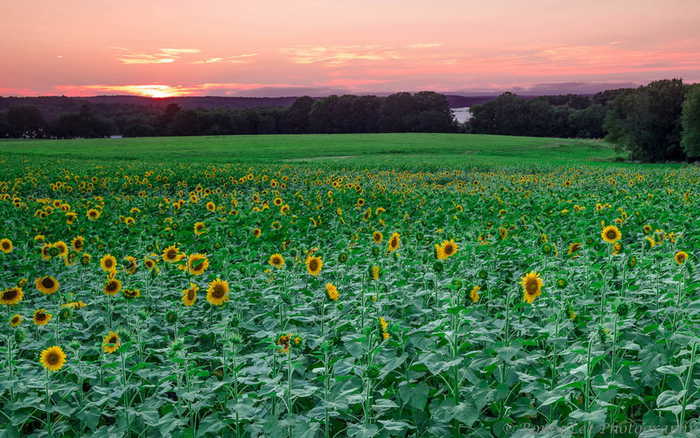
{"x":274,"y":47}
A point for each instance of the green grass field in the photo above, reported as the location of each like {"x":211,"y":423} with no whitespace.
{"x":347,"y":150}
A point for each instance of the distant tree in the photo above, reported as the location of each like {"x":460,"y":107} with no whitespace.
{"x":398,"y":113}
{"x":366,"y":113}
{"x":321,"y":115}
{"x":4,"y":126}
{"x":588,"y":122}
{"x":690,"y":121}
{"x":647,"y":121}
{"x":26,"y":121}
{"x":186,"y":122}
{"x":139,"y":129}
{"x":434,"y":114}
{"x":83,"y":124}
{"x":297,"y":116}
{"x":167,"y":117}
{"x":507,"y":114}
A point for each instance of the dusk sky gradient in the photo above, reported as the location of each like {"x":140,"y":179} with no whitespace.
{"x":283,"y":48}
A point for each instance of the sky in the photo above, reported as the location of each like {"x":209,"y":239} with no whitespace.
{"x":164,"y":48}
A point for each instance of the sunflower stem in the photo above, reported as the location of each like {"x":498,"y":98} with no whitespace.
{"x":49,"y":424}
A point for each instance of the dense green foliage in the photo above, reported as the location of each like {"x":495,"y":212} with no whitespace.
{"x":646,"y":121}
{"x":691,"y":123}
{"x":551,"y":116}
{"x":400,"y":112}
{"x":607,"y":344}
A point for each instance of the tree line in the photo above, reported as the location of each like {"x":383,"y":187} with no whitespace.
{"x":656,"y":122}
{"x":400,"y":112}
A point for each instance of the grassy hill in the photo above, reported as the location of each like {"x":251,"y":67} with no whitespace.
{"x":346,"y":150}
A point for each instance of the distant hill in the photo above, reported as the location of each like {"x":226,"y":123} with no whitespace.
{"x":53,"y":106}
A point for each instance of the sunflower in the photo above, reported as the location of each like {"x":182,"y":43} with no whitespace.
{"x":314,"y":265}
{"x":111,"y":342}
{"x":617,"y":248}
{"x":574,"y":247}
{"x":131,"y":264}
{"x":78,"y":243}
{"x":474,"y":294}
{"x":680,"y":257}
{"x":6,"y":246}
{"x":53,"y":358}
{"x":41,"y":317}
{"x":62,"y":248}
{"x":149,"y":263}
{"x":112,"y":287}
{"x":377,"y":237}
{"x":611,"y":234}
{"x":74,"y":305}
{"x":47,"y":285}
{"x":332,"y":292}
{"x":532,"y":286}
{"x":217,"y":293}
{"x":647,"y":229}
{"x":16,"y":320}
{"x":374,"y":272}
{"x":172,"y":254}
{"x":199,"y":228}
{"x":108,"y":263}
{"x":85,"y":258}
{"x":278,"y":202}
{"x":132,"y":293}
{"x":446,"y":249}
{"x":93,"y":214}
{"x":257,"y":232}
{"x":276,"y":261}
{"x":46,"y":251}
{"x":189,"y":295}
{"x":284,"y":341}
{"x":11,"y":296}
{"x":394,"y":242}
{"x":650,"y":241}
{"x":197,"y":264}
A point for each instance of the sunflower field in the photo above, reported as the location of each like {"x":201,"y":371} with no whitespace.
{"x":151,"y":299}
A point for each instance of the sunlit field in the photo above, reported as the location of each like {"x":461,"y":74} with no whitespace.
{"x":395,"y":285}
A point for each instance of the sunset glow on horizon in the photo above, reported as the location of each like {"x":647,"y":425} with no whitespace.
{"x":320,"y":47}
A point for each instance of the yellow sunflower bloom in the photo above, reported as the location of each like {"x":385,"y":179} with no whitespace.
{"x":108,"y":263}
{"x":314,"y":265}
{"x":41,"y":317}
{"x":111,"y":342}
{"x":532,"y":286}
{"x":276,"y":261}
{"x":11,"y":296}
{"x":189,"y":295}
{"x":680,"y":257}
{"x":53,"y":358}
{"x":217,"y":293}
{"x":47,"y":284}
{"x":332,"y":292}
{"x":6,"y":245}
{"x":611,"y":234}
